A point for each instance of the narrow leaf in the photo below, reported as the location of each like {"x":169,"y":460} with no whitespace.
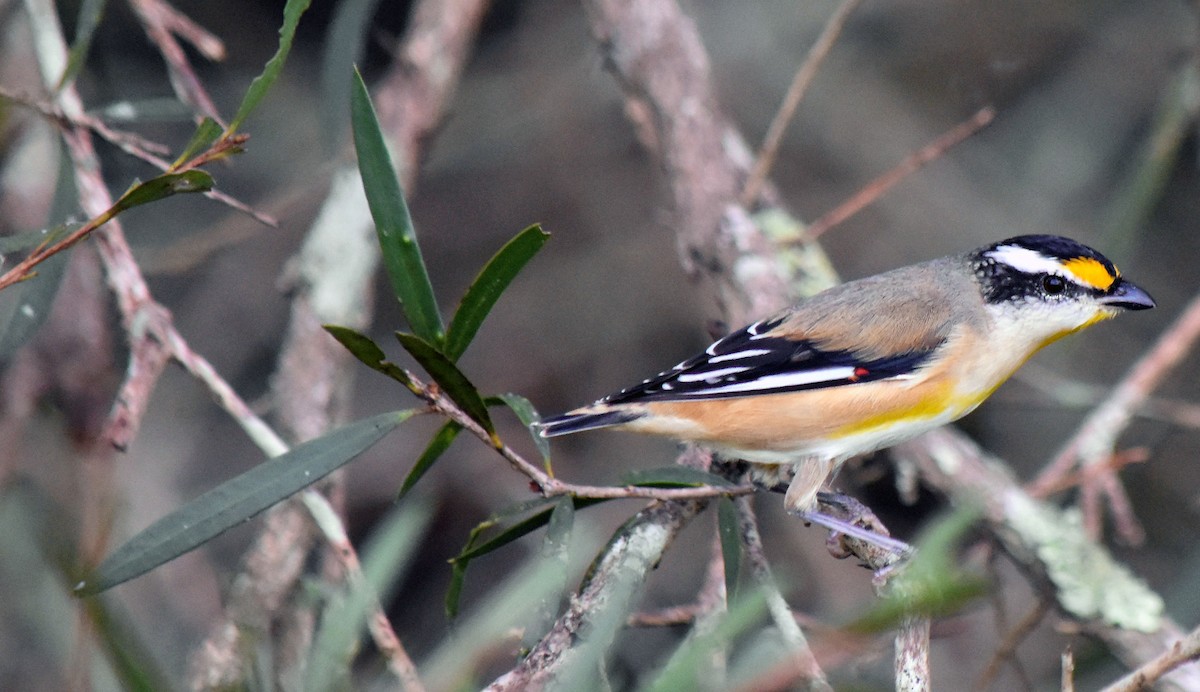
{"x":556,"y":554}
{"x":90,"y":12}
{"x":483,"y":292}
{"x":433,"y":451}
{"x":292,"y":12}
{"x":691,"y":661}
{"x":238,"y":499}
{"x":206,"y":133}
{"x":528,"y":415}
{"x":447,"y":376}
{"x":162,"y":187}
{"x":32,"y":239}
{"x":519,"y":529}
{"x":397,"y":237}
{"x":31,"y":300}
{"x":368,"y":352}
{"x":473,"y":549}
{"x":730,"y":532}
{"x":673,"y":477}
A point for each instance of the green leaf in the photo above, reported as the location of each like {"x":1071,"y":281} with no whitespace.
{"x":368,"y":352}
{"x":528,"y":415}
{"x":343,"y":47}
{"x":397,"y":238}
{"x":931,"y":583}
{"x":692,"y":660}
{"x":31,"y":300}
{"x":673,"y":477}
{"x":730,"y":531}
{"x":433,"y":451}
{"x":31,"y":239}
{"x":556,"y":553}
{"x":164,"y":186}
{"x":386,"y":557}
{"x":206,"y":133}
{"x":90,"y":12}
{"x":27,"y":304}
{"x":292,"y":12}
{"x":483,"y":292}
{"x":238,"y":499}
{"x":447,"y":376}
{"x":519,"y":529}
{"x":473,"y":549}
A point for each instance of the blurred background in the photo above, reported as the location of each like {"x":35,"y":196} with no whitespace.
{"x":1094,"y":138}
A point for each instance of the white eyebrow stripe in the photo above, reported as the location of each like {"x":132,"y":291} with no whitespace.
{"x":1029,"y":261}
{"x":710,"y":375}
{"x":738,"y":355}
{"x":780,"y":381}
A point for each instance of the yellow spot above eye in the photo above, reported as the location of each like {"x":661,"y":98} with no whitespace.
{"x":1090,"y":272}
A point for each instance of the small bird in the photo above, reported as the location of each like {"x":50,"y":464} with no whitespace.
{"x":869,"y":363}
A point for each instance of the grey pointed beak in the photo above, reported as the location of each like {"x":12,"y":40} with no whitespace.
{"x":1123,"y":294}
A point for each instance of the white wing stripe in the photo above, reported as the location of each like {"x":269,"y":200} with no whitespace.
{"x":738,"y":355}
{"x":710,"y":375}
{"x":780,"y":381}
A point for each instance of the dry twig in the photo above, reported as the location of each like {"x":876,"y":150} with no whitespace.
{"x":162,"y":23}
{"x":1008,"y":647}
{"x":911,"y":164}
{"x":791,"y":100}
{"x":1186,"y":650}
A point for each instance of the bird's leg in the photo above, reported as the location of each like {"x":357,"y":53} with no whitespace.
{"x":857,"y":513}
{"x":803,"y":495}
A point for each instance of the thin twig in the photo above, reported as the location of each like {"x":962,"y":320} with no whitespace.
{"x":550,"y":486}
{"x":1008,"y":646}
{"x":132,"y":144}
{"x":806,"y":665}
{"x":161,"y":22}
{"x":1067,"y":683}
{"x":664,"y":617}
{"x":791,"y":100}
{"x":1082,"y":477}
{"x":911,"y":164}
{"x":1185,"y":650}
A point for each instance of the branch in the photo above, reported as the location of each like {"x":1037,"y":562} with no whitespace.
{"x":1186,"y":650}
{"x":161,"y":23}
{"x":911,"y":164}
{"x":1088,"y":586}
{"x":334,"y":271}
{"x":803,"y":662}
{"x":795,"y":93}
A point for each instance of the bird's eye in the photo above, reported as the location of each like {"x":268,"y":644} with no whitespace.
{"x":1053,"y":285}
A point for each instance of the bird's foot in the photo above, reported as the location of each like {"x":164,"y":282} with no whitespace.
{"x":855,"y":520}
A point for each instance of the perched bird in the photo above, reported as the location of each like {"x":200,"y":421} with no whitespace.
{"x":869,"y":363}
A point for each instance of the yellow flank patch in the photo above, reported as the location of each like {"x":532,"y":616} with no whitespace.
{"x":1090,"y":272}
{"x":937,"y":403}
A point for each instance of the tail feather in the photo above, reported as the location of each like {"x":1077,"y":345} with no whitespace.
{"x":585,"y":419}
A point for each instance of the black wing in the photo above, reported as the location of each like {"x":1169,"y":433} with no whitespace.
{"x":752,"y":361}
